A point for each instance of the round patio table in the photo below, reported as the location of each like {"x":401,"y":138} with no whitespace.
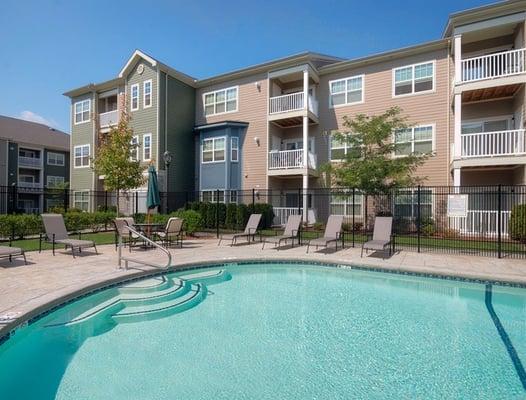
{"x":149,"y":229}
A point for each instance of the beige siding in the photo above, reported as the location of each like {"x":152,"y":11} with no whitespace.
{"x":430,"y":108}
{"x":252,"y":108}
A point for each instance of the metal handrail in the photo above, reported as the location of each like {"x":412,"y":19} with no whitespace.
{"x":147,"y":240}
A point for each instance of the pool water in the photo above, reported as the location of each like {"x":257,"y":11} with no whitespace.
{"x":283,"y":331}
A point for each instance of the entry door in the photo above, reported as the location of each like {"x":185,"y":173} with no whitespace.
{"x":293,"y":201}
{"x":297,"y":144}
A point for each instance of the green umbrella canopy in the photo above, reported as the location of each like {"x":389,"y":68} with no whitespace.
{"x":152,"y":196}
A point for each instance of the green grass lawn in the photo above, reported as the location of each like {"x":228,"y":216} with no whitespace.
{"x":33,"y":244}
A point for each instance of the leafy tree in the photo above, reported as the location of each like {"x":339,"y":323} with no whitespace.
{"x":369,"y":164}
{"x":113,"y":159}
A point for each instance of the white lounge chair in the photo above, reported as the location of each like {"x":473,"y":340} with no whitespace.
{"x":56,"y":233}
{"x":332,"y":233}
{"x":250,"y":232}
{"x":12,"y":252}
{"x":381,"y":235}
{"x":292,"y":230}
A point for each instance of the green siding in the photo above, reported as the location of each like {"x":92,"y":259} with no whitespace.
{"x":162,"y":117}
{"x":12,"y":164}
{"x":55,"y":170}
{"x":82,"y":178}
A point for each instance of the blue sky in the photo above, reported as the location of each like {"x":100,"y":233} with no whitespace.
{"x":48,"y":47}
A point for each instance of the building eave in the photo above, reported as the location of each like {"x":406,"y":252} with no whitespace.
{"x":94,"y":87}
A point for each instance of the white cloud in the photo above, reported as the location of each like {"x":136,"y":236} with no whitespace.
{"x":33,"y":117}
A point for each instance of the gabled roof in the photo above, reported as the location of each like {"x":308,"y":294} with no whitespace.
{"x":21,"y":131}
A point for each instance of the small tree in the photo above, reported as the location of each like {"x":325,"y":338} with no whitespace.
{"x":113,"y":159}
{"x":369,"y":164}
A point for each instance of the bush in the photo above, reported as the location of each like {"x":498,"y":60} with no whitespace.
{"x":427,"y":226}
{"x":231,"y":216}
{"x":242,"y":215}
{"x":18,"y":226}
{"x":266,"y":211}
{"x":192,"y":220}
{"x":517,"y":227}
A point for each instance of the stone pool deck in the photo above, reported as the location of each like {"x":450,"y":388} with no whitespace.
{"x":27,"y":290}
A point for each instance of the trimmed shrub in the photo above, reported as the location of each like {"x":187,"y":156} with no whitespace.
{"x":266,"y":211}
{"x":517,"y":227}
{"x":242,"y":215}
{"x":193,"y":221}
{"x":428,"y":226}
{"x":231,"y":216}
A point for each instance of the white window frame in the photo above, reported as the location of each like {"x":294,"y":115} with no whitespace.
{"x":345,"y":148}
{"x":81,"y":146}
{"x":82,"y":201}
{"x":412,"y":66}
{"x":150,"y":147}
{"x":233,"y":196}
{"x":215,"y":92}
{"x":433,"y":140}
{"x":57,"y":157}
{"x":214,"y":140}
{"x":346,"y":201}
{"x":75,"y":113}
{"x":413,"y":192}
{"x":213,"y":195}
{"x":135,"y":156}
{"x":138,"y":97}
{"x":232,"y":148}
{"x":347,"y":102}
{"x":54,"y":178}
{"x":144,"y":105}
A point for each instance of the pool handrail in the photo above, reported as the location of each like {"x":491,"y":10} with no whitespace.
{"x":146,"y":240}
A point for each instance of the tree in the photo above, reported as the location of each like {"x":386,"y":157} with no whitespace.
{"x":113,"y":159}
{"x":369,"y":164}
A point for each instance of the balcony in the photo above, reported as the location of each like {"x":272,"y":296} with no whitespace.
{"x":482,"y":223}
{"x":29,"y":185}
{"x":29,"y":162}
{"x":289,"y":109}
{"x":498,"y":65}
{"x":494,"y":144}
{"x":107,"y":119}
{"x":288,"y":162}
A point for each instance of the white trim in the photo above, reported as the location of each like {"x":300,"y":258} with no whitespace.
{"x":150,"y":81}
{"x":345,"y":146}
{"x":236,"y":148}
{"x":345,"y":92}
{"x":433,"y":140}
{"x":59,"y":154}
{"x":74,"y":157}
{"x":137,"y":53}
{"x":213,"y":139}
{"x":83,"y":121}
{"x":131,"y":97}
{"x":75,"y":192}
{"x":413,"y":93}
{"x":214,"y":92}
{"x":144,"y":146}
{"x":55,"y":177}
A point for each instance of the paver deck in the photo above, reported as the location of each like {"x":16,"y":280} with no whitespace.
{"x":26,"y":290}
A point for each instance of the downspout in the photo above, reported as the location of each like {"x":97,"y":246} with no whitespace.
{"x":448,"y":149}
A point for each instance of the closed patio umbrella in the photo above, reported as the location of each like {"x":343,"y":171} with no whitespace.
{"x":153,"y":198}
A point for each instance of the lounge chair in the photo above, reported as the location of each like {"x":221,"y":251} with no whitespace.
{"x":332,"y":233}
{"x":251,"y":230}
{"x":173,"y":233}
{"x":121,"y":231}
{"x":11,"y":252}
{"x":56,"y":233}
{"x":381,"y":235}
{"x":292,"y":229}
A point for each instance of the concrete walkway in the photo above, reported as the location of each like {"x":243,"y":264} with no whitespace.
{"x":26,"y":291}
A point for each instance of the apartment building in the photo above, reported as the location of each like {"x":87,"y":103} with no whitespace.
{"x":268,"y":126}
{"x":33,"y":157}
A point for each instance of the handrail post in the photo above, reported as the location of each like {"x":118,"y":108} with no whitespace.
{"x":217,"y":213}
{"x":499,"y":221}
{"x":119,"y":251}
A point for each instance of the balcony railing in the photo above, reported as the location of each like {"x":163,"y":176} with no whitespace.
{"x":481,"y":223}
{"x":29,"y":185}
{"x":496,"y":65}
{"x":290,"y":159}
{"x":109,"y":118}
{"x":31,"y":162}
{"x":491,"y":144}
{"x":291,"y":102}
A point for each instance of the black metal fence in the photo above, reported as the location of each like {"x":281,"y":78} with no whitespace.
{"x":481,"y":220}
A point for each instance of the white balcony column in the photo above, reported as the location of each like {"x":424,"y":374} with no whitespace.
{"x":458,"y":127}
{"x":305,"y":197}
{"x":456,"y":177}
{"x":306,"y":89}
{"x":305,"y":166}
{"x":458,"y":58}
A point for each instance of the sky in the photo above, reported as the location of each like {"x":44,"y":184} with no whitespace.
{"x":49,"y":47}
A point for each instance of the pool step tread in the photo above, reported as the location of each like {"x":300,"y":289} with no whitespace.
{"x":208,"y":277}
{"x":147,"y":285}
{"x":172,"y":286}
{"x":112,"y":304}
{"x":157,"y":297}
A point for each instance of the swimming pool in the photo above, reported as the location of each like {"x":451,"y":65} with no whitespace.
{"x":275,"y":331}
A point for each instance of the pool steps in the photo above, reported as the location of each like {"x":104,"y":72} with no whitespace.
{"x":151,"y":298}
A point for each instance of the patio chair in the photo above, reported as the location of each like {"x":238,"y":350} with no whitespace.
{"x":121,"y":231}
{"x":292,"y":229}
{"x":56,"y":233}
{"x":381,"y":235}
{"x":332,"y":233}
{"x":251,"y":230}
{"x":11,"y":252}
{"x":173,"y":233}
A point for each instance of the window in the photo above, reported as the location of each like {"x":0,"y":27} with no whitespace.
{"x":406,"y":203}
{"x":147,"y":147}
{"x":415,"y":78}
{"x":234,"y":149}
{"x":416,"y":140}
{"x":213,"y":150}
{"x":338,"y":149}
{"x":82,"y":154}
{"x":221,"y":101}
{"x":82,"y":111}
{"x":54,"y":181}
{"x":135,"y":97}
{"x":147,"y":93}
{"x":342,"y":204}
{"x":233,"y":196}
{"x":134,"y":156}
{"x":346,"y":91}
{"x":55,"y":159}
{"x":213,"y":196}
{"x":493,"y":125}
{"x":81,"y":200}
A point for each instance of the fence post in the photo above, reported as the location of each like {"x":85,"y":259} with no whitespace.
{"x":106,"y":200}
{"x":253,"y":197}
{"x":499,"y":221}
{"x":66,"y":200}
{"x":136,"y":202}
{"x":299,"y":205}
{"x":418,"y":221}
{"x":14,"y":199}
{"x":353,"y":212}
{"x":217,"y":213}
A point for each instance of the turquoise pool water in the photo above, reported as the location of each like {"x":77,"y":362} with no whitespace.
{"x":262,"y":331}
